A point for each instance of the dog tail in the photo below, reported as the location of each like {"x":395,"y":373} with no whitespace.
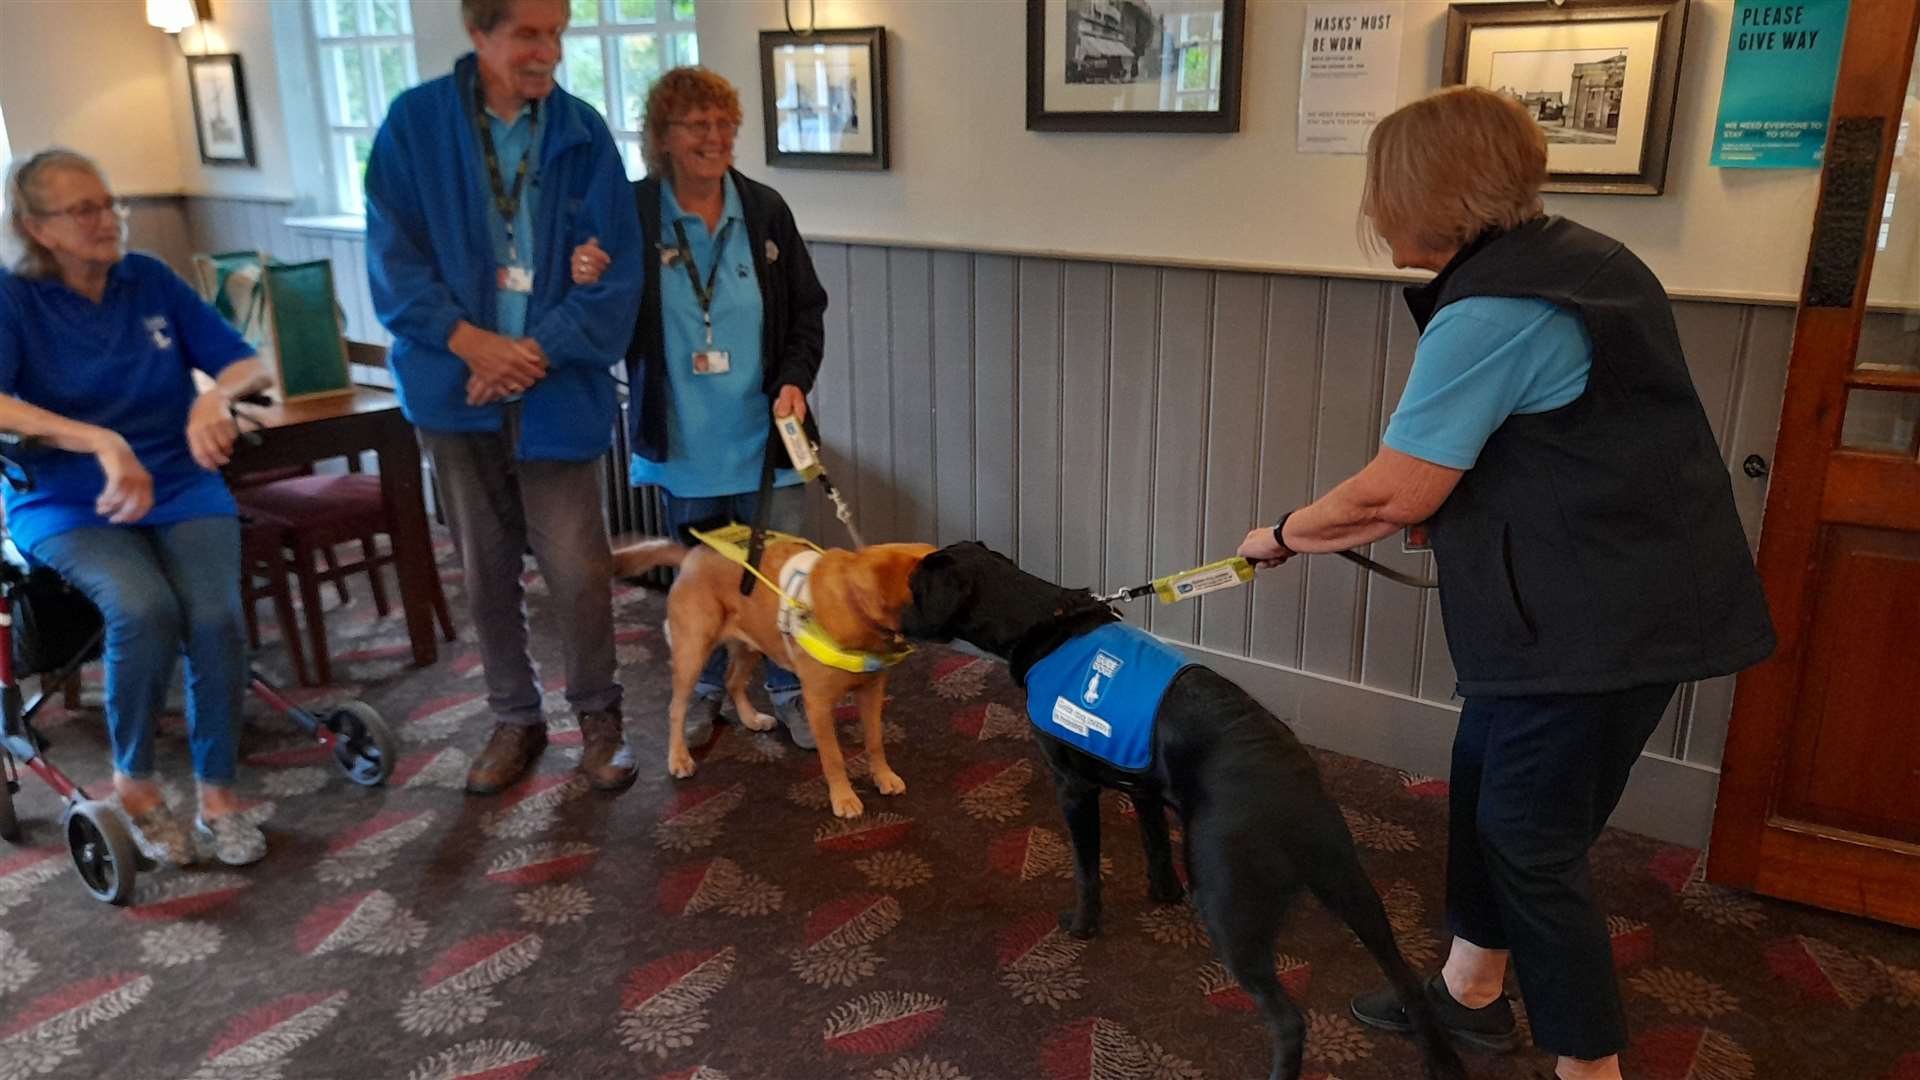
{"x":632,"y":560}
{"x":1342,"y":885}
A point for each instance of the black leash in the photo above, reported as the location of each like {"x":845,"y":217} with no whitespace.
{"x":1388,"y":572}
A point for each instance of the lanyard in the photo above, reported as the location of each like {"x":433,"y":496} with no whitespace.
{"x":505,"y":201}
{"x":704,"y":294}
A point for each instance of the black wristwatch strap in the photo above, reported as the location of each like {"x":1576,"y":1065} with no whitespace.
{"x":1279,"y":528}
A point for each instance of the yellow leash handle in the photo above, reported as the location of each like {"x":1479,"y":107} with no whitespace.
{"x":1225,"y":574}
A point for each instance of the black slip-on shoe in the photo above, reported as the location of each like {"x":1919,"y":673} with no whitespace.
{"x":1491,"y":1027}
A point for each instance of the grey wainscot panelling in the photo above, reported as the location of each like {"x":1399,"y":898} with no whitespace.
{"x":1107,"y":422}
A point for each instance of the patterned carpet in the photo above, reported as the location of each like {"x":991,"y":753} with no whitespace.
{"x":728,"y":927}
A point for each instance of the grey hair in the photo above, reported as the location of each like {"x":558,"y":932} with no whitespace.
{"x":23,"y":191}
{"x":484,"y":15}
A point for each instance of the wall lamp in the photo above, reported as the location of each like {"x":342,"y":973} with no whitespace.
{"x":174,"y":16}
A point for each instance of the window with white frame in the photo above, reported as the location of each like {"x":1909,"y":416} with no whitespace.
{"x":364,"y":50}
{"x":1193,"y":49}
{"x":614,"y":51}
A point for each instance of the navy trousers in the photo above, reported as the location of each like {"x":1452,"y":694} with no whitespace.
{"x":1534,"y":781}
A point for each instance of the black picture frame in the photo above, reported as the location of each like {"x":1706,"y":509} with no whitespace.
{"x":1662,"y":89}
{"x":1041,"y":117}
{"x":870,"y":153}
{"x":223,"y":127}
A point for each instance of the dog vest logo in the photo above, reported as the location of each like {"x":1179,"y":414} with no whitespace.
{"x":796,"y":580}
{"x":157,"y":329}
{"x":1101,"y":674}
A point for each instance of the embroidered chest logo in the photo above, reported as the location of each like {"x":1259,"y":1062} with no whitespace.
{"x":157,"y":330}
{"x":1100,"y":677}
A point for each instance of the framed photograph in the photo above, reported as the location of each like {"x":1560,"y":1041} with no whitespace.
{"x":220,"y":109}
{"x":1134,"y":65}
{"x":1599,"y":76}
{"x":824,"y":95}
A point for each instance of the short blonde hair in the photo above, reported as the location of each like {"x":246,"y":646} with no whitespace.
{"x":24,"y":182}
{"x":682,"y":90}
{"x":1453,"y":165}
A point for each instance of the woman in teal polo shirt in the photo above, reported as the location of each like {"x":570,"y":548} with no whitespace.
{"x":730,"y":334}
{"x":97,"y":351}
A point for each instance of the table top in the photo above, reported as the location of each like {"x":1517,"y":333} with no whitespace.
{"x":363,"y":399}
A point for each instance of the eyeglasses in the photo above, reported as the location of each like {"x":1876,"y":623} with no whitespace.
{"x":89,"y":213}
{"x":703,"y":128}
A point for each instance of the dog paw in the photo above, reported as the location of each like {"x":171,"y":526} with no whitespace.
{"x":1076,"y":927}
{"x":889,"y":782}
{"x":847,"y":805}
{"x":680,"y":764}
{"x":758,"y":721}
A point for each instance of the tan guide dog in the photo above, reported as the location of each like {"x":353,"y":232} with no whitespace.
{"x":856,"y":599}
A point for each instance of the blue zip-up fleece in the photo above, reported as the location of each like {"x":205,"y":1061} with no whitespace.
{"x":430,"y":262}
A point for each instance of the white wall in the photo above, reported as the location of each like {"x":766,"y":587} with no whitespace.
{"x":966,"y":172}
{"x":245,"y":27}
{"x":93,"y":76}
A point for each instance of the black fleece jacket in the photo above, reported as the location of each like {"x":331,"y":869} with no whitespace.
{"x":793,"y":326}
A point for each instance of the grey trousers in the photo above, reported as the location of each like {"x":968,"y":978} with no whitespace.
{"x":499,"y":508}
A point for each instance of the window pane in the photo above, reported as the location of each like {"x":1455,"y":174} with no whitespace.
{"x":1880,"y":420}
{"x":630,"y":153}
{"x":584,"y":13}
{"x":634,"y":11}
{"x":1193,"y":68}
{"x":585,"y":71}
{"x":683,"y":10}
{"x":355,"y":150}
{"x":686,"y":49}
{"x":339,"y":18}
{"x":1889,"y":341}
{"x":390,"y":17}
{"x":639,"y":66}
{"x":395,"y":75}
{"x":348,"y":64}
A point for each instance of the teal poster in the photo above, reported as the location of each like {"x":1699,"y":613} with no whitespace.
{"x":1781,"y":63}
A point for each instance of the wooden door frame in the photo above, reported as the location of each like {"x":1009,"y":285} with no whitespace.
{"x":1752,"y":847}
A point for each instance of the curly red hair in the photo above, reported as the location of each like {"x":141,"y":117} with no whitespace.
{"x":677,"y":93}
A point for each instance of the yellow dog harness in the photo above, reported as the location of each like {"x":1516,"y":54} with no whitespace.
{"x":796,"y":615}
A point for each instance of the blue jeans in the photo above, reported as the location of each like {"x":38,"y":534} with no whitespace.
{"x":787,"y":514}
{"x":162,"y":589}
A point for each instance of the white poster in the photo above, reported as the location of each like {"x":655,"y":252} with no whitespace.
{"x":1349,"y":74}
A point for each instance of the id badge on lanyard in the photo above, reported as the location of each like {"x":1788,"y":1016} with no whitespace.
{"x":512,"y":274}
{"x":707,"y":361}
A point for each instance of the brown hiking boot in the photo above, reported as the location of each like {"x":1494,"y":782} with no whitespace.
{"x":510,"y":751}
{"x":605,"y":758}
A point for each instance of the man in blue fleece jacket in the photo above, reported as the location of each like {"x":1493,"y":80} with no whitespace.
{"x":480,"y":186}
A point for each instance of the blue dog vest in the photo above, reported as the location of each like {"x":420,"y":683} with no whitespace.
{"x":1100,"y":691}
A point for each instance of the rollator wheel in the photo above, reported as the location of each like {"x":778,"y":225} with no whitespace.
{"x":365,"y":748}
{"x":9,"y":824}
{"x":102,"y":850}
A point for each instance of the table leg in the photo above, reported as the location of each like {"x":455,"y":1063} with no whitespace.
{"x":399,"y":454}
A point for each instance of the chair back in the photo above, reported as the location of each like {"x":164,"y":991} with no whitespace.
{"x":230,"y":281}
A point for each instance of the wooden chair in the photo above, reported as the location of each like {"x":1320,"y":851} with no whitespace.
{"x":313,"y":514}
{"x":263,"y":576}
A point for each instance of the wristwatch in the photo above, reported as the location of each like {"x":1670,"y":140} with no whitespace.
{"x":1279,"y":528}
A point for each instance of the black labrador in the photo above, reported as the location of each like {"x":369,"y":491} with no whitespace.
{"x":1258,"y":823}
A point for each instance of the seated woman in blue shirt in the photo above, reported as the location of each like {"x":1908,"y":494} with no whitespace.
{"x":97,"y":353}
